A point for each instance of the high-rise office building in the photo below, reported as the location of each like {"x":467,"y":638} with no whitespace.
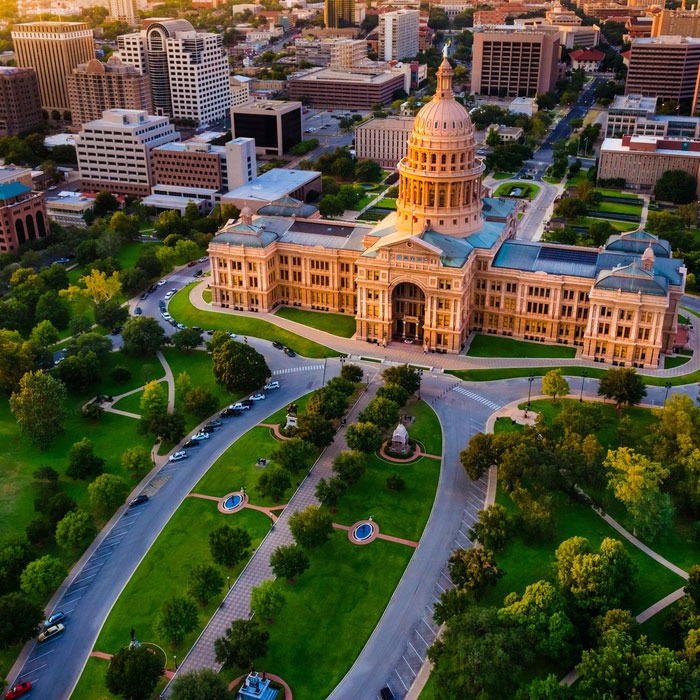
{"x":398,"y":35}
{"x":20,"y":105}
{"x":53,"y":49}
{"x":676,"y":23}
{"x":509,"y":63}
{"x":188,"y":70}
{"x":123,"y":11}
{"x":664,"y":66}
{"x":95,"y":87}
{"x":339,"y":13}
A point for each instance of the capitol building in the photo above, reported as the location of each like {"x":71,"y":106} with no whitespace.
{"x":447,"y":263}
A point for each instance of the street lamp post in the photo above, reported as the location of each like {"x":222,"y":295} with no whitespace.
{"x":668,"y":386}
{"x":175,"y":660}
{"x":584,"y":374}
{"x":530,"y":379}
{"x":228,"y":581}
{"x":420,"y":377}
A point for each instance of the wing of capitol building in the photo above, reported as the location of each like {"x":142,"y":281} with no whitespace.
{"x":447,"y":262}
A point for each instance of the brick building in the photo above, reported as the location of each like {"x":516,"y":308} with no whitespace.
{"x":22,"y":216}
{"x":20,"y":104}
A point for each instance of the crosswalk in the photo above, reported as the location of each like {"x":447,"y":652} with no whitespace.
{"x":302,"y":368}
{"x":477,"y":397}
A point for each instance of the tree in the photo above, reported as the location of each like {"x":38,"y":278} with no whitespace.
{"x":541,"y":615}
{"x":393,"y":392}
{"x":483,"y":452}
{"x":142,"y":336}
{"x":273,"y":482}
{"x":19,"y":619}
{"x":453,"y":602}
{"x":330,"y":492}
{"x":37,"y":391}
{"x":16,"y":359}
{"x":622,"y":384}
{"x":75,"y":529}
{"x":186,"y":339}
{"x":203,"y":582}
{"x":295,"y":455}
{"x":676,"y":186}
{"x":243,"y":642}
{"x":177,"y":618}
{"x":133,"y":673}
{"x":229,"y":545}
{"x":382,"y":412}
{"x":404,"y":376}
{"x":171,"y":427}
{"x":79,"y":372}
{"x":288,"y":561}
{"x":98,"y":287}
{"x":493,"y":139}
{"x":136,"y":461}
{"x":239,"y":367}
{"x":42,"y":577}
{"x":570,"y":208}
{"x":553,"y":384}
{"x":200,"y":402}
{"x":328,"y":402}
{"x":266,"y":601}
{"x":311,"y":527}
{"x":545,"y":689}
{"x":315,"y":429}
{"x":154,"y":401}
{"x":473,"y":570}
{"x":204,"y":684}
{"x":368,"y":171}
{"x":105,"y":202}
{"x":363,"y":437}
{"x":636,"y":481}
{"x":110,"y":313}
{"x":15,"y":554}
{"x":82,"y":460}
{"x":350,"y":466}
{"x":491,"y":528}
{"x":353,"y":373}
{"x":107,"y":492}
{"x":44,"y":334}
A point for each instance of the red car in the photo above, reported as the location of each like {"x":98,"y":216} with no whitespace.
{"x":18,"y":690}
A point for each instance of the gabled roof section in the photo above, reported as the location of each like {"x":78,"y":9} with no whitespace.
{"x":419,"y":240}
{"x":632,"y":278}
{"x":454,"y":252}
{"x":487,"y":236}
{"x":246,"y":235}
{"x":637,"y":241}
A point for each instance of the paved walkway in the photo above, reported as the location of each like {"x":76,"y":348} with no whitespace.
{"x":236,"y":604}
{"x":400,"y":353}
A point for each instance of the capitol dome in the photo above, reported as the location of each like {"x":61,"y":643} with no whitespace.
{"x":440,"y":177}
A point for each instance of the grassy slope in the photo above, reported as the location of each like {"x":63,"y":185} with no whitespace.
{"x":496,"y":346}
{"x":337,"y":324}
{"x":181,"y":309}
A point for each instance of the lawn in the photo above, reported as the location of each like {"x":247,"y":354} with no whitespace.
{"x":364,"y":202}
{"x":386,"y":203}
{"x":497,"y":346}
{"x":129,"y":253}
{"x":183,"y":544}
{"x":181,"y":309}
{"x":426,"y":427}
{"x":551,"y":180}
{"x":130,"y":403}
{"x":671,"y":362}
{"x":580,"y":176}
{"x":337,"y":324}
{"x":586,"y":221}
{"x":502,"y":176}
{"x":617,"y":208}
{"x":428,"y":692}
{"x":330,"y":612}
{"x":504,"y":190}
{"x":616,"y":193}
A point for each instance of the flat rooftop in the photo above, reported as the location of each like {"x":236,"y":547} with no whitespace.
{"x":273,"y":185}
{"x":347,"y":77}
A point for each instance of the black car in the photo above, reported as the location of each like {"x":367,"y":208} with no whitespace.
{"x":289,"y":352}
{"x":277,"y":344}
{"x":161,"y":304}
{"x":139,"y":500}
{"x":230,"y":412}
{"x":191,"y":443}
{"x":386,"y":694}
{"x":248,"y":402}
{"x":173,"y":323}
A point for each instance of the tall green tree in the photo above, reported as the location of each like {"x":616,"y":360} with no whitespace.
{"x":204,"y":684}
{"x":178,"y":616}
{"x":19,"y":619}
{"x":363,"y":437}
{"x":203,"y":582}
{"x":133,"y":673}
{"x":229,"y":545}
{"x":243,"y":643}
{"x":75,"y":529}
{"x":554,"y":384}
{"x":239,"y":367}
{"x":473,"y":570}
{"x":107,"y":492}
{"x":36,"y":392}
{"x":82,"y":460}
{"x":266,"y":601}
{"x":42,"y":577}
{"x":676,"y":186}
{"x":143,"y":336}
{"x":622,"y":384}
{"x":403,"y":375}
{"x":382,"y":412}
{"x":491,"y":528}
{"x":288,"y":561}
{"x":350,"y":466}
{"x":295,"y":455}
{"x":311,"y":527}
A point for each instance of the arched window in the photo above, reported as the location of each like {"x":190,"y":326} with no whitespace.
{"x":19,"y":230}
{"x":31,"y":229}
{"x":40,"y":223}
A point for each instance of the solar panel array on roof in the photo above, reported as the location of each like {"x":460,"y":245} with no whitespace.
{"x":585,"y":257}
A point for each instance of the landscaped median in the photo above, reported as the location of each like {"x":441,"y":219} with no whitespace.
{"x":331,"y":610}
{"x":181,"y":308}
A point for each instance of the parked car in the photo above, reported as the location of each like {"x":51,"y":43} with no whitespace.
{"x":190,"y":443}
{"x":138,"y":501}
{"x":230,"y":412}
{"x":272,"y":385}
{"x":247,"y":402}
{"x":17,"y":691}
{"x":173,"y":322}
{"x":214,"y":424}
{"x":386,"y":694}
{"x":51,"y":632}
{"x":54,"y":619}
{"x":191,"y":263}
{"x":161,"y":304}
{"x":203,"y":259}
{"x":181,"y":326}
{"x":289,"y":352}
{"x":167,"y":316}
{"x":277,"y":344}
{"x":233,"y":336}
{"x":198,"y":273}
{"x":160,"y":283}
{"x":240,"y":406}
{"x":168,"y":295}
{"x":178,"y":456}
{"x":201,"y":436}
{"x":258,"y":397}
{"x":117,"y":330}
{"x":138,"y":310}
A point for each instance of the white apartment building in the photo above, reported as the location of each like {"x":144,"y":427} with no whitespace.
{"x":398,"y":35}
{"x":189,"y":70}
{"x":240,"y":90}
{"x":384,"y":140}
{"x":123,"y":11}
{"x":115,"y":152}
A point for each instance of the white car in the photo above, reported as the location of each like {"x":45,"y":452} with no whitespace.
{"x":203,"y":259}
{"x":233,"y":336}
{"x":272,"y":385}
{"x":201,"y":436}
{"x":178,"y":456}
{"x":167,"y":316}
{"x":168,"y":295}
{"x":258,"y":397}
{"x":239,"y":407}
{"x":160,"y":283}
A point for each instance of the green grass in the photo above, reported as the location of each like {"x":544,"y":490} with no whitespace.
{"x":426,"y":427}
{"x":551,"y":180}
{"x":386,"y":203}
{"x":655,"y":630}
{"x":580,"y":176}
{"x":129,"y":253}
{"x":530,"y":191}
{"x":502,"y":176}
{"x":428,"y":692}
{"x":206,"y":296}
{"x":181,"y":309}
{"x":363,"y":202}
{"x":671,"y":362}
{"x":616,"y":193}
{"x":683,"y":319}
{"x":163,"y":573}
{"x":497,"y":346}
{"x":337,"y":324}
{"x":130,"y":403}
{"x":330,"y":612}
{"x":617,"y":208}
{"x":586,"y":221}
